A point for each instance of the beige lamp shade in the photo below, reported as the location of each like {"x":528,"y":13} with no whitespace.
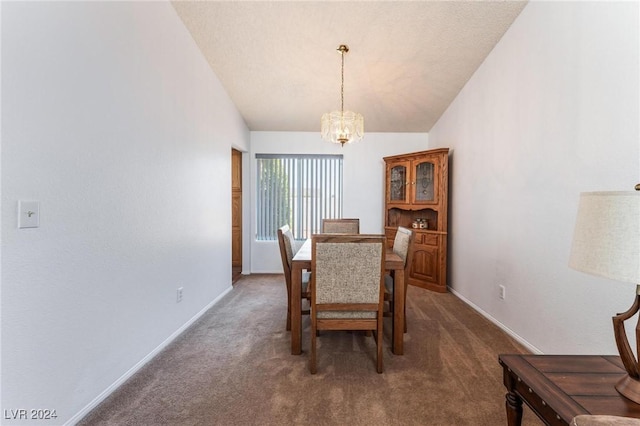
{"x":606,"y":240}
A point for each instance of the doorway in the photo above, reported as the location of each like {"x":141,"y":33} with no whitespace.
{"x":236,"y":215}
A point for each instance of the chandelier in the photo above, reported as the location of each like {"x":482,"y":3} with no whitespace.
{"x":342,"y":126}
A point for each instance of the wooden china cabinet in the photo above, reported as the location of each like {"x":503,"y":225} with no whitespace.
{"x":416,"y":197}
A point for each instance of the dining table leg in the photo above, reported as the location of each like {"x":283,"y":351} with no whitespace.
{"x":398,"y":313}
{"x":296,"y":309}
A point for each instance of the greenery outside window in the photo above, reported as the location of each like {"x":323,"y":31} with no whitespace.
{"x":298,"y":190}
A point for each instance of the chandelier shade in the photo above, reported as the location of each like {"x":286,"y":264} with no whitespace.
{"x":342,"y":126}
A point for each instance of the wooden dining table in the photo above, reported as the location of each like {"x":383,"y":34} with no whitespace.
{"x":302,"y":261}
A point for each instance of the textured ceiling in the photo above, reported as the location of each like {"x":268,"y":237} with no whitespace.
{"x":407,"y":60}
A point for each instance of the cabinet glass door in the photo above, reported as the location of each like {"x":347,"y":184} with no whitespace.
{"x":398,"y":183}
{"x":425,"y":183}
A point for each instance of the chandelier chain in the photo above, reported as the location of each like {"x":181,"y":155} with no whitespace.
{"x":342,"y":85}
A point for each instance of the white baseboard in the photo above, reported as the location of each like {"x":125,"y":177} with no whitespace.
{"x":109,"y":390}
{"x":504,"y":328}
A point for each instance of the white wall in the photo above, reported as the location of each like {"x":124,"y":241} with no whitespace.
{"x":363,"y":187}
{"x":553,"y":111}
{"x":114,"y":122}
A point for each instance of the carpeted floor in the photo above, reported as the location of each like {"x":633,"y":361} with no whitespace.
{"x":234,"y":367}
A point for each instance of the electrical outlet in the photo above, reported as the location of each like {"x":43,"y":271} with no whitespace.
{"x":179,"y":295}
{"x":503,"y":292}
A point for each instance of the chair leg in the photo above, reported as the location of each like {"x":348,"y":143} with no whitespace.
{"x":288,"y":308}
{"x":379,"y":345}
{"x":405,"y":305}
{"x":312,"y":357}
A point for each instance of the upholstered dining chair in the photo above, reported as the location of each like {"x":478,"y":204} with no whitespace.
{"x":403,"y":247}
{"x":340,"y":226}
{"x":288,"y":249}
{"x":347,"y":287}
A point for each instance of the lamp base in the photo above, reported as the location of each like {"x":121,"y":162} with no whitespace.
{"x":629,"y":388}
{"x":629,"y":385}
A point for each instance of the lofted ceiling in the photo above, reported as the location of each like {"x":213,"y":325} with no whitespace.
{"x":407,"y":61}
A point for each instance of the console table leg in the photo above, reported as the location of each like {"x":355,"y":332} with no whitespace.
{"x":513,"y":404}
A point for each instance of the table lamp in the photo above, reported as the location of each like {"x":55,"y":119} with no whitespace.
{"x":606,"y":243}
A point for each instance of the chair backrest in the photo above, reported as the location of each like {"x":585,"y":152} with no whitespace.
{"x":287,"y":247}
{"x":348,"y":269}
{"x":403,"y":247}
{"x":340,"y":226}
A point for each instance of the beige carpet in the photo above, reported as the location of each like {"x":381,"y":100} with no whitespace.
{"x":234,"y":367}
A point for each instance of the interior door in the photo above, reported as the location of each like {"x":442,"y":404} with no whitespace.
{"x":236,"y":214}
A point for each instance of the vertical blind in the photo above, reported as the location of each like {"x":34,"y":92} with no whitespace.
{"x":298,"y":190}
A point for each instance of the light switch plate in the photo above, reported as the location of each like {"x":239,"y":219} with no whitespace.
{"x":28,"y":214}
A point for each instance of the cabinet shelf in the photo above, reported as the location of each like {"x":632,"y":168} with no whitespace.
{"x":406,"y":217}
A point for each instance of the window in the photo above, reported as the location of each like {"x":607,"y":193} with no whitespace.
{"x":299,"y":190}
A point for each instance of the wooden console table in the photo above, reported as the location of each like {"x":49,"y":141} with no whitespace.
{"x":559,"y":387}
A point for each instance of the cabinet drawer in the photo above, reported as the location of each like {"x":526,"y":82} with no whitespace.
{"x":427,"y":239}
